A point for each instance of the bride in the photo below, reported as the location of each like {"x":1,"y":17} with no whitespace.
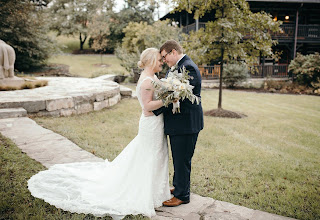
{"x":134,"y":183}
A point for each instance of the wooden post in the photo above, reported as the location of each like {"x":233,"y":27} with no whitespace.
{"x":187,"y":18}
{"x":197,"y":24}
{"x":296,"y":33}
{"x":263,"y":65}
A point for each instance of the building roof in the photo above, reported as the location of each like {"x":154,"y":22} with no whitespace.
{"x":286,"y":1}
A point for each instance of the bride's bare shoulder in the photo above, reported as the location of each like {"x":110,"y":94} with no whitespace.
{"x":146,"y":83}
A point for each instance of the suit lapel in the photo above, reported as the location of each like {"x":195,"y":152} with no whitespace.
{"x":179,"y":64}
{"x":182,"y":61}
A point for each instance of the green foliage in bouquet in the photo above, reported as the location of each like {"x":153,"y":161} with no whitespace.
{"x":175,"y":86}
{"x":307,"y":69}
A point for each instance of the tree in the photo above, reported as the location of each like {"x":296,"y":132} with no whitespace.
{"x":99,"y":32}
{"x":71,"y":17}
{"x":139,"y":36}
{"x":134,"y":11}
{"x":235,"y":34}
{"x":24,"y":27}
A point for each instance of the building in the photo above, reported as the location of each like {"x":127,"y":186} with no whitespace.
{"x":301,"y":30}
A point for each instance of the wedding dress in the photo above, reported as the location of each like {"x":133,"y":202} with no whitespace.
{"x":135,"y":182}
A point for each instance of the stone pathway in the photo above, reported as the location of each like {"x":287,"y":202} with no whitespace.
{"x":41,"y":144}
{"x":50,"y":148}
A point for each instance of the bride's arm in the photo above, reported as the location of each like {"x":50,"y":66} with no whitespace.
{"x":147,"y":91}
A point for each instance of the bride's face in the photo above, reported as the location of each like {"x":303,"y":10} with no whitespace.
{"x":159,"y":64}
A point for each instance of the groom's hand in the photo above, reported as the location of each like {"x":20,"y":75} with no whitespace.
{"x":147,"y":113}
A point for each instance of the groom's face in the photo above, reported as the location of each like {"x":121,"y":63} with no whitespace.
{"x":169,"y":57}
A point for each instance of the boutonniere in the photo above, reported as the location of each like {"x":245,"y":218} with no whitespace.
{"x":173,"y":68}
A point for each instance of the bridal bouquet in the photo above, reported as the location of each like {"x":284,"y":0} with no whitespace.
{"x":175,"y":87}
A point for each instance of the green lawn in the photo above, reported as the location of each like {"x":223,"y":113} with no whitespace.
{"x":269,"y":161}
{"x":84,"y":65}
{"x":67,"y":44}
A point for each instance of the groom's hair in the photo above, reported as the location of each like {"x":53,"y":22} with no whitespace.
{"x":170,"y":45}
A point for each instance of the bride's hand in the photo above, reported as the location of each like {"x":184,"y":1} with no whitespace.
{"x":147,"y":113}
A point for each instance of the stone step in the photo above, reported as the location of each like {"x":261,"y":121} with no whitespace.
{"x":125,"y":92}
{"x":12,"y":113}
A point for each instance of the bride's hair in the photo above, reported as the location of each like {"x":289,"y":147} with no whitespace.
{"x":148,"y":58}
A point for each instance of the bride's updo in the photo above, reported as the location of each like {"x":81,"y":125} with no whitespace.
{"x":148,"y":58}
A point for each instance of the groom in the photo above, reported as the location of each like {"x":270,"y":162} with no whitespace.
{"x":183,"y":128}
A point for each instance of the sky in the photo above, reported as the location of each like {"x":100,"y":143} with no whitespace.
{"x":163,"y":10}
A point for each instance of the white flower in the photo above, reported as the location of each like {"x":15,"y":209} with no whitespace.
{"x":176,"y":82}
{"x":173,"y":68}
{"x":182,"y":86}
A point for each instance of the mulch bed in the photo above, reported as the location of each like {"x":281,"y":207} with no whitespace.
{"x":101,"y":65}
{"x":87,"y":51}
{"x":222,"y":113}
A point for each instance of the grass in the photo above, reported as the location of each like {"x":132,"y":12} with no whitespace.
{"x":16,"y":201}
{"x":269,"y":161}
{"x":67,"y":44}
{"x":83,"y":65}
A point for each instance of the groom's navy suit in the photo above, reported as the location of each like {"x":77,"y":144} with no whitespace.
{"x":183,"y":129}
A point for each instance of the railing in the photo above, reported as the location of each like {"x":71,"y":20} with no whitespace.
{"x":274,"y":71}
{"x":192,"y":27}
{"x":256,"y":71}
{"x":212,"y":72}
{"x":305,"y":32}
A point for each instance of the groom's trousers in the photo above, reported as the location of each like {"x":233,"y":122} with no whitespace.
{"x":182,"y":148}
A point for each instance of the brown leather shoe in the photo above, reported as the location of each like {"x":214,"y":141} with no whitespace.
{"x":171,"y":190}
{"x":174,"y":202}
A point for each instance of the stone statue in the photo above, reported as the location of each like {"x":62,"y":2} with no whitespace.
{"x":7,"y":59}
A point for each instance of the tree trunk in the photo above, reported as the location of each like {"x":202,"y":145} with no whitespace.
{"x":220,"y":78}
{"x":221,"y":64}
{"x":82,"y":41}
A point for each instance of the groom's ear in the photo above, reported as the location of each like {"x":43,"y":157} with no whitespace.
{"x":174,"y":52}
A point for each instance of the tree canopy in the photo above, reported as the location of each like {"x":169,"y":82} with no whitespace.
{"x":235,"y":34}
{"x":24,"y":27}
{"x":139,"y":36}
{"x":72,"y":17}
{"x":134,"y":11}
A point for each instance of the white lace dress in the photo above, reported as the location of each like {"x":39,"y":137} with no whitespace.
{"x":135,"y":182}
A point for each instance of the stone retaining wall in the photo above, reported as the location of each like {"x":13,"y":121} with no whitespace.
{"x":64,"y":97}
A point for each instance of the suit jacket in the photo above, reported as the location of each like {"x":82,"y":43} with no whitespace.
{"x":190,"y":120}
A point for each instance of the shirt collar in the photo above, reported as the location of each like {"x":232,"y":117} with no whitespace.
{"x":180,"y":59}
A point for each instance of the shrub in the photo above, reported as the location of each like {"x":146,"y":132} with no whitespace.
{"x":306,"y":69}
{"x":234,"y":74}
